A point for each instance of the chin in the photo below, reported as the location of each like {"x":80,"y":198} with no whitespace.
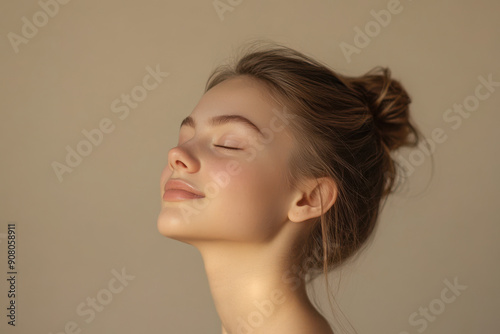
{"x":174,"y":226}
{"x":170,"y":225}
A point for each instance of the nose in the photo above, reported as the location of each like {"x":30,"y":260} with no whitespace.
{"x":180,"y":159}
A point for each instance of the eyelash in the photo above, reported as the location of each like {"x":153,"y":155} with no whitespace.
{"x":228,"y":148}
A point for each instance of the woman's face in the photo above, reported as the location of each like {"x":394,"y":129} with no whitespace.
{"x":246,"y":196}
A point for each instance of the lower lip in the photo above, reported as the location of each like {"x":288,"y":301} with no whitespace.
{"x":176,"y":195}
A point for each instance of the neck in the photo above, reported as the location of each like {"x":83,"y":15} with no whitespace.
{"x":253,"y":286}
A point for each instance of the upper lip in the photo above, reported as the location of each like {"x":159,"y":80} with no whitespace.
{"x":182,"y":185}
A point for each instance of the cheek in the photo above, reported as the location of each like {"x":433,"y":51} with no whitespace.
{"x":249,"y":205}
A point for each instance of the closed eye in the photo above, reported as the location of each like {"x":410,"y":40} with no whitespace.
{"x":227,"y":147}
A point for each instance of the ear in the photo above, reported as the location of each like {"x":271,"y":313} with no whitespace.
{"x":307,"y":200}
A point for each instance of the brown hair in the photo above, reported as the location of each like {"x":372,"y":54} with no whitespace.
{"x":345,"y":128}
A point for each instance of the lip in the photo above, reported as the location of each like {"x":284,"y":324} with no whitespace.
{"x":179,"y":190}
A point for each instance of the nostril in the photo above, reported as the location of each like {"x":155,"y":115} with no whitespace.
{"x":177,"y":163}
{"x":180,"y":163}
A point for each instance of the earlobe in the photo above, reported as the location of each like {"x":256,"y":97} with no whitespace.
{"x":317,"y":194}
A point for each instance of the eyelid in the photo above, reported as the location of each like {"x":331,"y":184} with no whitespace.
{"x":230,"y":142}
{"x":228,"y":148}
{"x":227,"y":144}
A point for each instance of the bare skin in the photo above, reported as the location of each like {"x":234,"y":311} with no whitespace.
{"x":249,"y":221}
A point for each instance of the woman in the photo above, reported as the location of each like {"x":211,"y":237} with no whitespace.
{"x":278,"y":176}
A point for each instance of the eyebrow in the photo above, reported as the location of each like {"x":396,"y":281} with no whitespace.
{"x":223,"y":119}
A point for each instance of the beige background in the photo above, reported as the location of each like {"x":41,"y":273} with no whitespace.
{"x":102,"y":216}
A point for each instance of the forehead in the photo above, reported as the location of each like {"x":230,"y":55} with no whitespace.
{"x":241,"y":95}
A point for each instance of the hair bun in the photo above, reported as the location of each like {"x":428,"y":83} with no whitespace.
{"x":388,"y":102}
